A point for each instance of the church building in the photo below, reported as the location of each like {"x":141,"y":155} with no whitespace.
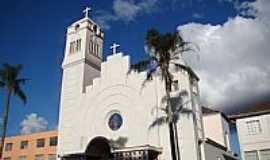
{"x":106,"y":111}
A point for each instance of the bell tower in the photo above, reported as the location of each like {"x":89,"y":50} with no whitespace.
{"x":81,"y":64}
{"x":83,"y":53}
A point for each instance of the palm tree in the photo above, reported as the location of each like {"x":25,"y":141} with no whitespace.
{"x":163,"y":49}
{"x":11,"y":83}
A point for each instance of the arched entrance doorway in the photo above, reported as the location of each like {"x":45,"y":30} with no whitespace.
{"x":98,"y":149}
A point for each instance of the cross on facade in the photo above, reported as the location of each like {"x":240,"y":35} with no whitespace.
{"x":114,"y":48}
{"x":87,"y":10}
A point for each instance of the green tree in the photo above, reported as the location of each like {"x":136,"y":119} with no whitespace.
{"x":11,"y":83}
{"x":163,"y":49}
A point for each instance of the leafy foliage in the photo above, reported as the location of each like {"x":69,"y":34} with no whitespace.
{"x":163,"y":49}
{"x":10,"y":82}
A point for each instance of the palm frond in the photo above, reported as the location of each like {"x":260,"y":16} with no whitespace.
{"x":183,"y":93}
{"x":141,"y":65}
{"x":149,"y":77}
{"x":150,"y":73}
{"x":159,"y":121}
{"x":21,"y":81}
{"x":18,"y":92}
{"x":164,"y":100}
{"x":19,"y":67}
{"x":2,"y":84}
{"x":165,"y":110}
{"x":10,"y":73}
{"x":181,"y":107}
{"x":152,"y":39}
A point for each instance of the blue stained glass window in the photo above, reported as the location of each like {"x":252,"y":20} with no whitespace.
{"x":115,"y":121}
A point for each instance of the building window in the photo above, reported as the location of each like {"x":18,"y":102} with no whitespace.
{"x":72,"y":48}
{"x":97,"y":49}
{"x":78,"y":45}
{"x":39,"y":157}
{"x":51,"y":157}
{"x":53,"y":141}
{"x":8,"y":147}
{"x":91,"y":47}
{"x":115,"y":121}
{"x":75,"y":46}
{"x":265,"y":154}
{"x":40,"y":143}
{"x":24,"y":144}
{"x":251,"y":155}
{"x":22,"y":158}
{"x":253,"y":127}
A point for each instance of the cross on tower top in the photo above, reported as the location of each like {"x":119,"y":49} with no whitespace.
{"x":87,"y":10}
{"x":114,"y":47}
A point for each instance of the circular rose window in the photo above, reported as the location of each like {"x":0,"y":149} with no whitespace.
{"x":115,"y":121}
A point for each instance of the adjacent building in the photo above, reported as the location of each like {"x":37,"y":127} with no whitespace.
{"x":217,"y":136}
{"x":253,"y":128}
{"x":36,"y":146}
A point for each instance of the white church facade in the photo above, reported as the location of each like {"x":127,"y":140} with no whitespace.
{"x":106,"y":111}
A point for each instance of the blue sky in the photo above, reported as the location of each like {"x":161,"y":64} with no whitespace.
{"x":32,"y":33}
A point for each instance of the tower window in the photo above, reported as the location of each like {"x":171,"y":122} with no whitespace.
{"x":96,"y":49}
{"x":77,"y":27}
{"x":91,"y":47}
{"x":95,"y":28}
{"x":78,"y":45}
{"x":75,"y":46}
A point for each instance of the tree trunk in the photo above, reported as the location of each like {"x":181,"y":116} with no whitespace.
{"x":5,"y":122}
{"x":173,"y":140}
{"x":176,"y":139}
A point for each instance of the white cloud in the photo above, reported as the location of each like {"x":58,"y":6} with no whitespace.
{"x":234,"y":58}
{"x":126,"y":11}
{"x":33,"y":123}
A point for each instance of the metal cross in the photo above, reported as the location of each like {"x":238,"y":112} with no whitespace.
{"x":114,"y":48}
{"x":87,"y":10}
